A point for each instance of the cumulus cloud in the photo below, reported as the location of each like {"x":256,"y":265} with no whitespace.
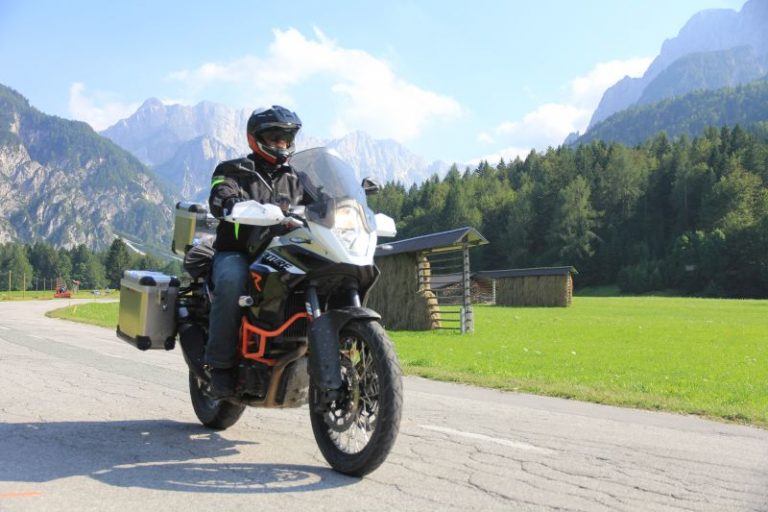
{"x":550,"y":123}
{"x":99,"y":109}
{"x":587,"y":90}
{"x":508,"y":154}
{"x":367,"y":91}
{"x":485,"y":138}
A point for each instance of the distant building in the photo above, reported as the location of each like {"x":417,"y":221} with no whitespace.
{"x":548,"y":286}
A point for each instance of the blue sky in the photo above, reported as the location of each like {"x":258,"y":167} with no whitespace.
{"x":451,"y":80}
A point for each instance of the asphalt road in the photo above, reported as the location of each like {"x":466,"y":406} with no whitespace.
{"x":87,"y":422}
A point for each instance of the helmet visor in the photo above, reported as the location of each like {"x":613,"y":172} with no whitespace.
{"x":274,"y":136}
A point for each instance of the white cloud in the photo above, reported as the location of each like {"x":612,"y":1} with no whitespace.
{"x":508,"y":154}
{"x":546,"y":126}
{"x":550,"y":123}
{"x":369,"y":95}
{"x":485,"y":138}
{"x":99,"y":109}
{"x":587,"y":90}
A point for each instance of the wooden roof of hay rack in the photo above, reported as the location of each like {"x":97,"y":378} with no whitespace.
{"x":525,"y":272}
{"x":445,"y":241}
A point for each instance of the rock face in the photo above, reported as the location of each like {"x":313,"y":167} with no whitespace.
{"x":384,"y":160}
{"x":155,"y":132}
{"x":184,"y":143}
{"x":729,"y":47}
{"x":62,"y":182}
{"x":188,"y":172}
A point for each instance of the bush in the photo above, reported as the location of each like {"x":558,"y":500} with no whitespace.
{"x":640,"y":278}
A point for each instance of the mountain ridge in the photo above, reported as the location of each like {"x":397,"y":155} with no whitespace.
{"x":156,"y":133}
{"x":62,"y":182}
{"x":711,"y":30}
{"x":745,"y":105}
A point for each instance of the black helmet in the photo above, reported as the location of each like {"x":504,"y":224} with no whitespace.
{"x":273,"y":122}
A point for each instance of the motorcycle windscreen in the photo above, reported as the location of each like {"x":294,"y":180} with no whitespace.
{"x":329,"y":181}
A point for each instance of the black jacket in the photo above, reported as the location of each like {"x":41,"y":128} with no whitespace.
{"x":249,"y":178}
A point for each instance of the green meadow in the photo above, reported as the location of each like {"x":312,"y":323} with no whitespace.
{"x":698,"y":356}
{"x":103,"y":314}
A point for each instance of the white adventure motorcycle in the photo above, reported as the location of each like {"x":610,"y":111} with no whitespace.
{"x":305,"y":336}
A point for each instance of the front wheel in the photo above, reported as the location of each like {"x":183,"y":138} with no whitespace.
{"x":359,"y":429}
{"x":214,"y":414}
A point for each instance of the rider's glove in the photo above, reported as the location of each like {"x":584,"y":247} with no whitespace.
{"x":229,"y":204}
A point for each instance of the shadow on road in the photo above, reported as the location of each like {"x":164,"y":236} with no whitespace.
{"x":154,"y":454}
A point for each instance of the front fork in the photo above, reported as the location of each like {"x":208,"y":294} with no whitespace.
{"x":324,"y":337}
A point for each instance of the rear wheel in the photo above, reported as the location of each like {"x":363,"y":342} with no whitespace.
{"x":214,"y":414}
{"x":357,"y":432}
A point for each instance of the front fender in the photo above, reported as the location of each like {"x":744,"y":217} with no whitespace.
{"x":324,"y":361}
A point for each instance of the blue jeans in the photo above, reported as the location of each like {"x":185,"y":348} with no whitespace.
{"x":230,"y":278}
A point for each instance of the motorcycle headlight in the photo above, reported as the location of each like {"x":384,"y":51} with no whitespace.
{"x":349,"y":229}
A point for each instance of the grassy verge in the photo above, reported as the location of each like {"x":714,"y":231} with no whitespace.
{"x":94,"y":313}
{"x":700,"y":356}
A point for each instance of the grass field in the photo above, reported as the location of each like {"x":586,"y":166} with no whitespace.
{"x":94,"y":313}
{"x":700,"y":356}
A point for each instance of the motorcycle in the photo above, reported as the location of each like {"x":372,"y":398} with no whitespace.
{"x":305,"y":336}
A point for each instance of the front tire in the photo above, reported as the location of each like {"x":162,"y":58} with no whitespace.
{"x":358,"y":431}
{"x":214,"y":414}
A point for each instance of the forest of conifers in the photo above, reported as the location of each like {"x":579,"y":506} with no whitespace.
{"x":39,"y":265}
{"x":688,"y":215}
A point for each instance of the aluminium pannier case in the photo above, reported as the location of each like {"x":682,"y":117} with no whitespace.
{"x":147,"y":313}
{"x":192,"y":225}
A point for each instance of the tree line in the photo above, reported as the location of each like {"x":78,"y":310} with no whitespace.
{"x":686,"y":214}
{"x":25,"y":266}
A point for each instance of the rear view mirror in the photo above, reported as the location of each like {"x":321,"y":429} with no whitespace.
{"x":385,"y":225}
{"x":371,"y":186}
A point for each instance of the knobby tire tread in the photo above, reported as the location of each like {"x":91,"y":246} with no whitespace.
{"x":388,"y":425}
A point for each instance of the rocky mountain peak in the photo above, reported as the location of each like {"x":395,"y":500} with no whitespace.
{"x":173,"y":139}
{"x":711,"y":30}
{"x":62,"y":182}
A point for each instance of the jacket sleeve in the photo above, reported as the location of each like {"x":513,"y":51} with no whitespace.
{"x":225,"y":192}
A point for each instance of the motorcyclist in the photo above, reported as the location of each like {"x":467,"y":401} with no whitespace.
{"x":265,"y":176}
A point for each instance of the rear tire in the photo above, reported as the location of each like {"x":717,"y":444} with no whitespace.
{"x":359,"y":430}
{"x":214,"y":414}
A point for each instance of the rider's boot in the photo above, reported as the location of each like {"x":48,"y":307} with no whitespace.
{"x":222,"y":383}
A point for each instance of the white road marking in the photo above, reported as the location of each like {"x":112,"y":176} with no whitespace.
{"x":483,"y":437}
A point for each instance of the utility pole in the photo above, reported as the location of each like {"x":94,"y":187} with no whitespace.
{"x":9,"y":280}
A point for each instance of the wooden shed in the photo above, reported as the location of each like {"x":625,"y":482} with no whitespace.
{"x":425,"y":281}
{"x":550,"y":286}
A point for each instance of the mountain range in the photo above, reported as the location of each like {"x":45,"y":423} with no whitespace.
{"x":62,"y":182}
{"x":183,"y":144}
{"x":690,"y":114}
{"x":716,"y":48}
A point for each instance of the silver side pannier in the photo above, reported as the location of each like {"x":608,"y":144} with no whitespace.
{"x":192,"y":225}
{"x":147,"y":312}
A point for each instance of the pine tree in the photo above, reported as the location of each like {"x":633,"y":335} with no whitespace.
{"x":118,"y":259}
{"x":20,"y":268}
